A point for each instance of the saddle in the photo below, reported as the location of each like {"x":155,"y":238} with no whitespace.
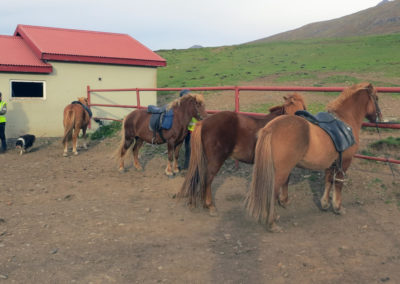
{"x":84,"y":107}
{"x":340,"y":133}
{"x":160,"y":119}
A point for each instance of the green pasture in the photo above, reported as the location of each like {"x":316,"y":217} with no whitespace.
{"x":322,"y":60}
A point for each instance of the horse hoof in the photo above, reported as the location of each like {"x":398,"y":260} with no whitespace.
{"x":213,"y":212}
{"x":283,"y":203}
{"x":121,"y":170}
{"x":65,"y":154}
{"x":76,"y":153}
{"x":274,"y":228}
{"x":325,"y":206}
{"x":339,"y":211}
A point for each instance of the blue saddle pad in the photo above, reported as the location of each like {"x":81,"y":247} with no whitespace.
{"x":340,"y":133}
{"x":160,"y":118}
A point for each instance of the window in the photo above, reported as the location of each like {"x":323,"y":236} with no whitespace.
{"x":27,"y":89}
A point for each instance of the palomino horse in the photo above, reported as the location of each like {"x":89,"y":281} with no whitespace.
{"x":222,"y":135}
{"x":76,"y":117}
{"x":291,"y":141}
{"x":135,"y":130}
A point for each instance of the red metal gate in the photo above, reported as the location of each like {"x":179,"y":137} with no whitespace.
{"x":237,"y":90}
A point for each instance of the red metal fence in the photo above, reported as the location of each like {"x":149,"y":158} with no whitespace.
{"x":237,"y":90}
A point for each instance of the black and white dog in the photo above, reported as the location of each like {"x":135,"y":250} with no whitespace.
{"x":25,"y":142}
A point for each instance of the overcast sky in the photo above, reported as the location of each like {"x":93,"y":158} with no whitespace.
{"x":167,"y":24}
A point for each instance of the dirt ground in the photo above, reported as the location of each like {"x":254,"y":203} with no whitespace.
{"x":78,"y":220}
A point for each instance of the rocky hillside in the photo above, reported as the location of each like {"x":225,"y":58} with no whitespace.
{"x":381,"y":19}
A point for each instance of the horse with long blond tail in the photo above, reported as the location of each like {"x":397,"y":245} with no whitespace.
{"x":222,"y":135}
{"x":76,"y":117}
{"x":290,"y":141}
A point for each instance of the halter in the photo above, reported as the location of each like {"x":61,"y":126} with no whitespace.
{"x":377,"y":108}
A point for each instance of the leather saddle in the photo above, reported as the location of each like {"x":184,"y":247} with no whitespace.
{"x":160,"y":119}
{"x":340,"y":133}
{"x":84,"y":107}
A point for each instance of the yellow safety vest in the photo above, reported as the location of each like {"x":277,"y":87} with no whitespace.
{"x":192,"y":124}
{"x":2,"y":117}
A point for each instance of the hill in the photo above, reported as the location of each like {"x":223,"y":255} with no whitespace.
{"x":314,"y":62}
{"x":381,"y":19}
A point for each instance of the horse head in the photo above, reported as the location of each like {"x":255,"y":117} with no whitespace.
{"x":373,"y":112}
{"x":195,"y":105}
{"x":293,"y":103}
{"x":83,"y":101}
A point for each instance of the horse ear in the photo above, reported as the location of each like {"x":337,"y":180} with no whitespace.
{"x":285,"y":98}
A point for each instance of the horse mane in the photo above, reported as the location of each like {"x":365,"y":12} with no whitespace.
{"x":83,"y":100}
{"x":347,"y":93}
{"x":198,"y":97}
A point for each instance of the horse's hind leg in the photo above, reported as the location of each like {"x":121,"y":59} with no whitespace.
{"x":125,"y":144}
{"x":75,"y":141}
{"x":284,"y":194}
{"x":176,"y":157}
{"x":337,"y":193}
{"x":168,"y":169}
{"x":135,"y":151}
{"x":84,"y":136}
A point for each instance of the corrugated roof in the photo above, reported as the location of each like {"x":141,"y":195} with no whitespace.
{"x":87,"y":46}
{"x":16,"y":56}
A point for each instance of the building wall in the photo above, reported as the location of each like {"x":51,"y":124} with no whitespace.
{"x":67,"y":82}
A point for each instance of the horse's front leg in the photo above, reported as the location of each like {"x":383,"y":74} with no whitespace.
{"x":168,"y":169}
{"x":176,"y":158}
{"x":75,"y":141}
{"x":328,"y":186}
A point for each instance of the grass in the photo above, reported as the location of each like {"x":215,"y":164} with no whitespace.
{"x":391,"y":142}
{"x":106,"y":131}
{"x":314,"y":108}
{"x":288,"y":61}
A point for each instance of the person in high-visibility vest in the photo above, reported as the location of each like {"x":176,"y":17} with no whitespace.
{"x":187,"y":138}
{"x":3,"y":111}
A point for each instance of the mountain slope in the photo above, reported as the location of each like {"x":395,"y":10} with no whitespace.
{"x":381,"y":19}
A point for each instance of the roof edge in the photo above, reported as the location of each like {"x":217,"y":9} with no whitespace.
{"x":107,"y":60}
{"x":26,"y":69}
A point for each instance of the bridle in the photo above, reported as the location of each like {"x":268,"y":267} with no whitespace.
{"x":377,"y":108}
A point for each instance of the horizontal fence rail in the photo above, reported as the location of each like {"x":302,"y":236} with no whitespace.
{"x":237,"y":90}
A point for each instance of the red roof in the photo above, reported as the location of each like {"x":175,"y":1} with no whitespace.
{"x":16,"y":56}
{"x":87,"y":46}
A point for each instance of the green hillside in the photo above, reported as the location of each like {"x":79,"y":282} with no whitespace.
{"x":323,"y":60}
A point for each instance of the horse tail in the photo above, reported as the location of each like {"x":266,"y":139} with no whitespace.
{"x":69,"y":123}
{"x":197,"y":172}
{"x":260,"y":199}
{"x":124,"y":146}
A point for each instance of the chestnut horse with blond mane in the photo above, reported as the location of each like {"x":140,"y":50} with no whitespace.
{"x":290,"y":141}
{"x":222,"y":135}
{"x":76,"y":117}
{"x":135,"y":130}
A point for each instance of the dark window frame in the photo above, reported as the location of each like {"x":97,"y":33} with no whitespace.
{"x":26,"y":87}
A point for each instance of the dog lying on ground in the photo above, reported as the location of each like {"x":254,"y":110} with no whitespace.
{"x":25,"y":142}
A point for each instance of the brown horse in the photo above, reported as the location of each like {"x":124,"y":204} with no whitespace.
{"x":222,"y":135}
{"x":291,"y":141}
{"x":76,"y":117}
{"x":135,"y":130}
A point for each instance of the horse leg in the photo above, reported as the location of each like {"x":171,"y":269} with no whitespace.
{"x":65,"y":153}
{"x":337,"y":193}
{"x":75,"y":141}
{"x":176,"y":157}
{"x":283,"y":199}
{"x":125,"y":144}
{"x":328,"y":186}
{"x":168,"y":169}
{"x":84,"y":136}
{"x":135,"y":151}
